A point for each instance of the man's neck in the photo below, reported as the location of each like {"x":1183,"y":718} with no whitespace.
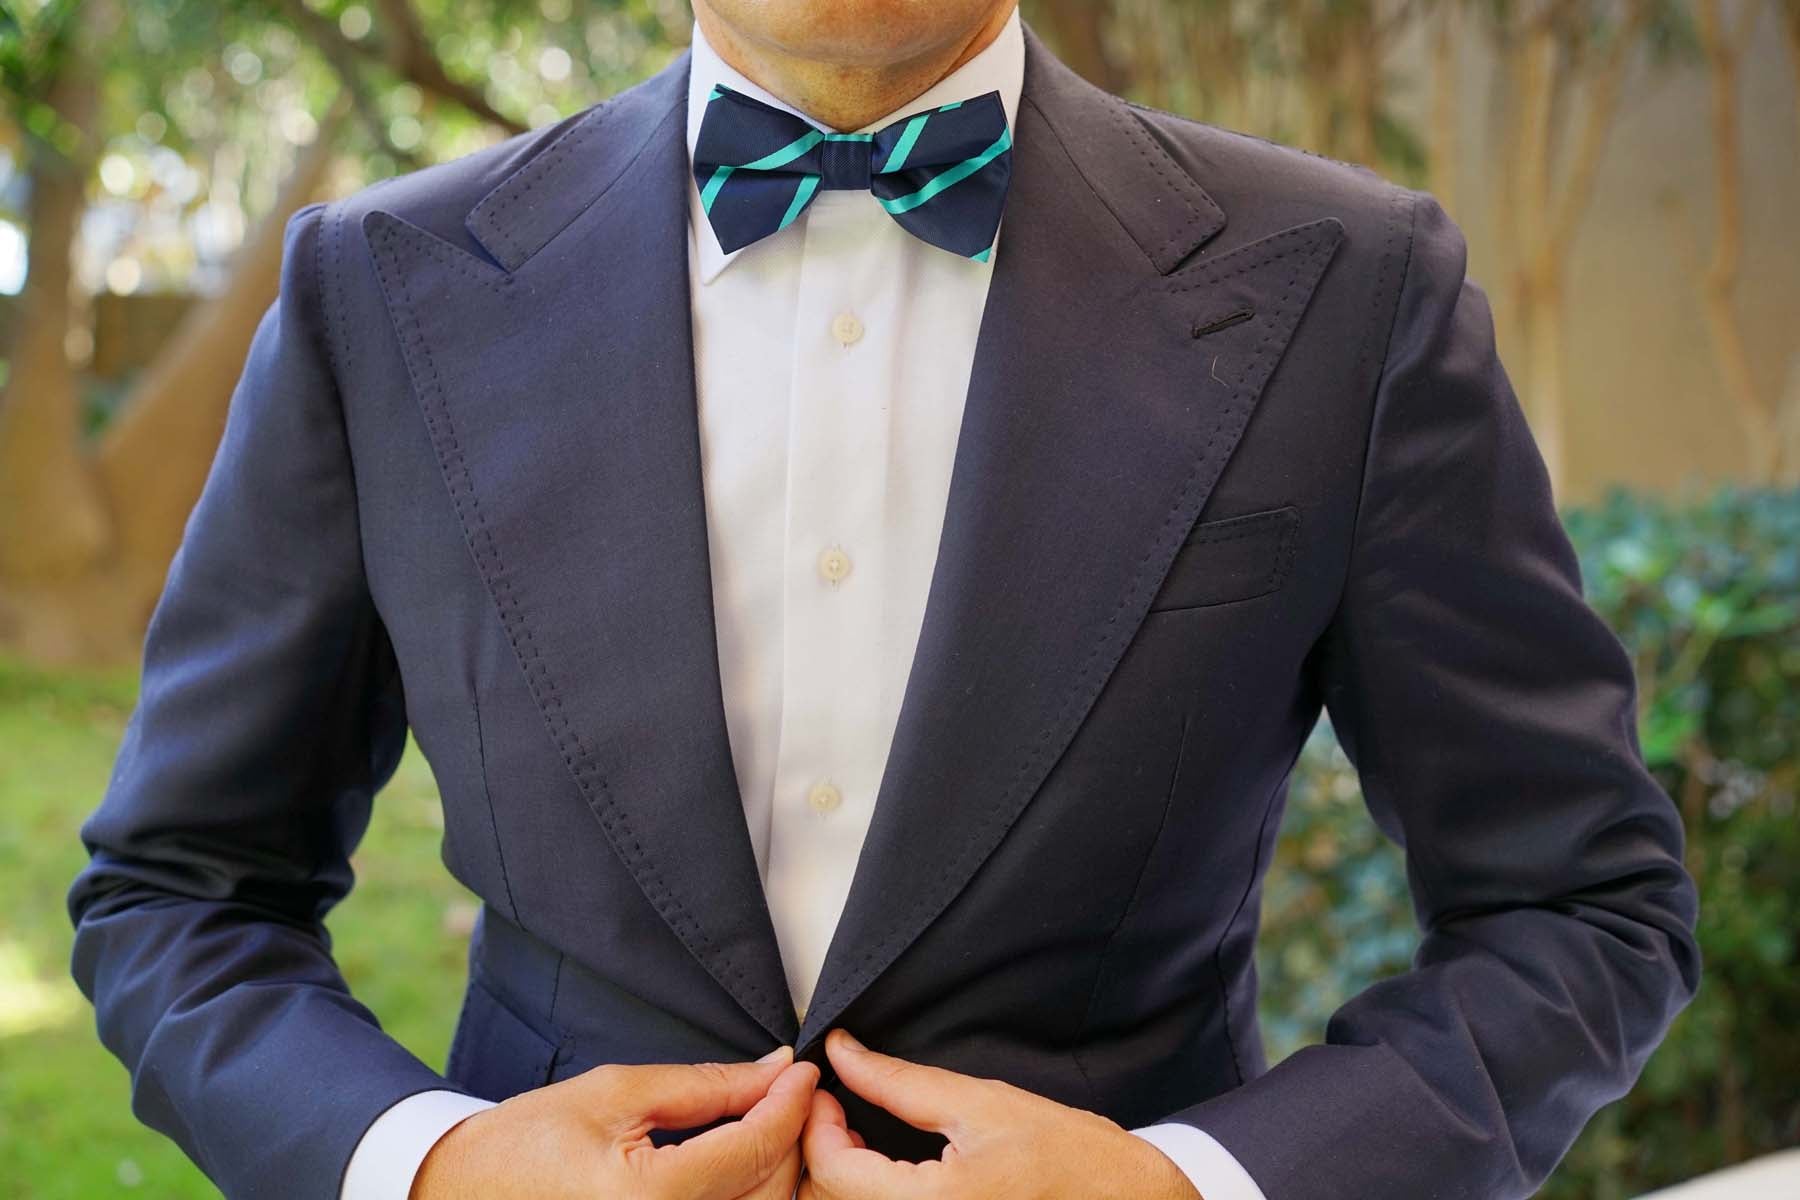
{"x":845,"y":96}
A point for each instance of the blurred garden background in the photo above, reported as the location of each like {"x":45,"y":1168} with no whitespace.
{"x":1628,"y":172}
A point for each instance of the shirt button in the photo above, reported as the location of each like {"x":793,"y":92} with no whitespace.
{"x":834,"y":564}
{"x":846,"y":328}
{"x":824,"y":797}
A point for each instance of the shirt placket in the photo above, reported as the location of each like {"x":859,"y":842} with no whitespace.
{"x":828,"y":765}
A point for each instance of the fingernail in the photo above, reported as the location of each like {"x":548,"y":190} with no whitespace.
{"x":850,"y":1040}
{"x":776,"y":1055}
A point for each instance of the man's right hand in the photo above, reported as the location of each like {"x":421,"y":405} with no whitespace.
{"x":590,"y":1136}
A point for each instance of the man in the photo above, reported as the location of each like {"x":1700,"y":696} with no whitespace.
{"x":861,"y":525}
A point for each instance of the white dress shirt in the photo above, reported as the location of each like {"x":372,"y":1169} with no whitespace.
{"x":832,"y":360}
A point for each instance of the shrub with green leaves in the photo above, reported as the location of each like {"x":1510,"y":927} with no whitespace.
{"x":1705,"y":593}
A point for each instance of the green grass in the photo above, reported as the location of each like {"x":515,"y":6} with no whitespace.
{"x":66,"y":1129}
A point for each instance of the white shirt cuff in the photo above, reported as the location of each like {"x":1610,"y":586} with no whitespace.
{"x":391,"y":1150}
{"x":1215,"y":1173}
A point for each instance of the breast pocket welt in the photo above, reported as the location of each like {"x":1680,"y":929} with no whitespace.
{"x":1234,"y":558}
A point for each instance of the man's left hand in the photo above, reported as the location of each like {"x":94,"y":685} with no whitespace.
{"x":1004,"y":1140}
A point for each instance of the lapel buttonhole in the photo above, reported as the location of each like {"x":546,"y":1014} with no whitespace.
{"x":1225,"y":322}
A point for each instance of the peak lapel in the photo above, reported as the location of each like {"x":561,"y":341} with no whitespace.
{"x":558,"y":390}
{"x":1095,"y":428}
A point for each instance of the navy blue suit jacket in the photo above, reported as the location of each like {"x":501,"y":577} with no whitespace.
{"x":1237,"y":446}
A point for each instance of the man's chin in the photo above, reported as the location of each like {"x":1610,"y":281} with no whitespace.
{"x":856,"y":33}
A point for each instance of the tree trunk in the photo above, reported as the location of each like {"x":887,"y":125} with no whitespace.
{"x":155,"y":455}
{"x":1361,"y":55}
{"x":1538,"y":291}
{"x":403,"y":48}
{"x":1788,"y":417}
{"x":1718,"y":284}
{"x":1078,"y":28}
{"x":55,"y":522}
{"x":1218,"y":61}
{"x":1545,"y":314}
{"x":1318,"y":96}
{"x":150,"y":463}
{"x":1549,"y":216}
{"x":409,"y":52}
{"x":1788,"y":475}
{"x":1790,"y":24}
{"x":1445,"y":164}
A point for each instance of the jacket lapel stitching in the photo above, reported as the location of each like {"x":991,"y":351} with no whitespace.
{"x":381,"y":226}
{"x":1300,"y":239}
{"x":486,"y":219}
{"x":1205,"y":211}
{"x":576,"y":754}
{"x":999,"y":814}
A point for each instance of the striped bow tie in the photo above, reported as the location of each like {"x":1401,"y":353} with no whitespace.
{"x":942,"y":174}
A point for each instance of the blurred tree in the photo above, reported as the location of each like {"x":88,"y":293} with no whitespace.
{"x":1313,"y":72}
{"x":1723,"y":43}
{"x":53,"y":91}
{"x":1078,"y":27}
{"x":90,"y":529}
{"x":1790,"y":24}
{"x":1788,"y":11}
{"x":1342,"y":48}
{"x":1563,"y":64}
{"x":1444,"y":155}
{"x":90,"y":522}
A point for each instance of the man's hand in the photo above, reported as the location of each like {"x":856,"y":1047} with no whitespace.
{"x":1004,"y":1141}
{"x":590,"y":1136}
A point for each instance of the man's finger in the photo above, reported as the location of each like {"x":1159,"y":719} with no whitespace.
{"x":827,"y":1108}
{"x":827,"y":1128}
{"x":683,"y":1095}
{"x":781,"y":1182}
{"x":736,"y":1157}
{"x":840,"y":1167}
{"x":927,"y":1097}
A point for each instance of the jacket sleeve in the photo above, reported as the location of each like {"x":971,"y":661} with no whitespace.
{"x":269,"y":714}
{"x":1491,"y":716}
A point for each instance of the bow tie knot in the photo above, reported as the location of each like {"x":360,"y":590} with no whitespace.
{"x":941,"y":174}
{"x":846,"y":163}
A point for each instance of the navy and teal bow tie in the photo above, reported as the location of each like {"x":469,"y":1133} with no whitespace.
{"x":942,"y":174}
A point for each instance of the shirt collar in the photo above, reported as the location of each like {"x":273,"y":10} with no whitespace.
{"x":1000,"y":66}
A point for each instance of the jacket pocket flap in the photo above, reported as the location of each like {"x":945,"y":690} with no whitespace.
{"x":1235,"y":558}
